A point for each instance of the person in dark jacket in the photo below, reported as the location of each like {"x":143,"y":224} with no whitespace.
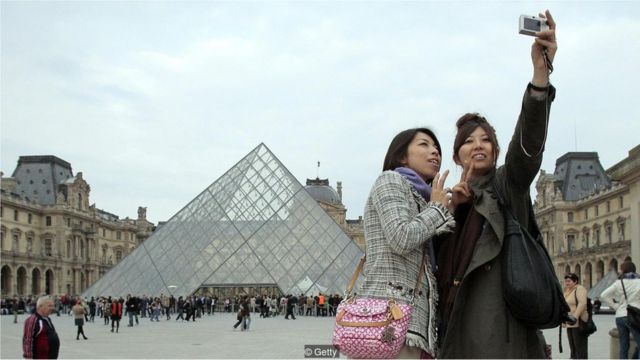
{"x":132,"y":309}
{"x":469,"y":266}
{"x":40,"y":339}
{"x":243,"y":309}
{"x":180,"y":310}
{"x":291,"y":302}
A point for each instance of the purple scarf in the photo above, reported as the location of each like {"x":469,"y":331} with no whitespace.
{"x":418,"y":183}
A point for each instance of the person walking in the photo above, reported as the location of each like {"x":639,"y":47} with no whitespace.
{"x":291,"y":302}
{"x":132,"y":309}
{"x":106,"y":310}
{"x":40,"y":339}
{"x":180,"y":309}
{"x":619,"y":295}
{"x":79,"y":317}
{"x":243,"y":311}
{"x":92,"y":309}
{"x":14,"y":309}
{"x":116,"y":313}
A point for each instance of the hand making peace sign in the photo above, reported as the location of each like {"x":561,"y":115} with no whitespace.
{"x":438,"y":193}
{"x":461,"y":192}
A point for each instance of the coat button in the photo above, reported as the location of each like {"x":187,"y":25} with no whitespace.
{"x":487,"y":267}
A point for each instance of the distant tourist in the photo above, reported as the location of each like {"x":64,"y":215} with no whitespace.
{"x":576,"y":296}
{"x":78,"y":315}
{"x":615,"y":296}
{"x":116,"y":313}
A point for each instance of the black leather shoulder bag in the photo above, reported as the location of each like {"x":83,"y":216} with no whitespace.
{"x":529,"y":283}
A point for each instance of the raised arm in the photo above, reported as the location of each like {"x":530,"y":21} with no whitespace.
{"x":524,"y":155}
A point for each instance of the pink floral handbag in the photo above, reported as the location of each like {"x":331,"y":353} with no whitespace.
{"x":370,"y":328}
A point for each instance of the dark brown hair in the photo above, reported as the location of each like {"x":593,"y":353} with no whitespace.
{"x":572,"y":276}
{"x":468,"y":124}
{"x":398,"y":148}
{"x":628,"y":267}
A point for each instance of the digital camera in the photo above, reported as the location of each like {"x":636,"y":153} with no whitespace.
{"x":530,"y":25}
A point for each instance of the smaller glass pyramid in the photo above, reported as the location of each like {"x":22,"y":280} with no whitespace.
{"x":256,"y":225}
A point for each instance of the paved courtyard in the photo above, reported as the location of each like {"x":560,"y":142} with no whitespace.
{"x":213,"y":337}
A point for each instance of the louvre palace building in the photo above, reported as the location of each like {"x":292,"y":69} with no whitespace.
{"x":590,"y":217}
{"x":53,"y":241}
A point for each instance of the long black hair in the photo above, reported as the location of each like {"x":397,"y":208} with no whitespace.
{"x":398,"y":148}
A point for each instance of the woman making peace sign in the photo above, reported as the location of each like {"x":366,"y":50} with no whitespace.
{"x":475,"y":320}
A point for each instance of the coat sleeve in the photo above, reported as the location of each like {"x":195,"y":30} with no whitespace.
{"x":28,"y":337}
{"x":403,"y":230}
{"x":609,"y":294}
{"x":524,"y":155}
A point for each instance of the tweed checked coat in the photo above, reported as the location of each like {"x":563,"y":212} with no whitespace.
{"x":398,"y":224}
{"x":480,"y":324}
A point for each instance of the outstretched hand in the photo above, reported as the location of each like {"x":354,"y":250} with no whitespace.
{"x":544,"y":41}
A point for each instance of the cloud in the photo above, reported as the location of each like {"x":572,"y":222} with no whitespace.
{"x":156,"y":102}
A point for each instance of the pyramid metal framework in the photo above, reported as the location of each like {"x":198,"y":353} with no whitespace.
{"x":256,"y":225}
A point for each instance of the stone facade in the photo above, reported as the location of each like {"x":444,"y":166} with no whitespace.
{"x":331,"y":201}
{"x":53,"y":241}
{"x":589,"y":217}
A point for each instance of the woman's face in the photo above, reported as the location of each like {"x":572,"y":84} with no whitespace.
{"x":477,"y":149}
{"x":569,"y":283}
{"x":423,"y":156}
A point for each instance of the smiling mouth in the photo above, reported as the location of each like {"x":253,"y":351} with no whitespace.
{"x":479,"y":157}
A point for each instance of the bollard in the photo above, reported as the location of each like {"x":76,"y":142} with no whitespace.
{"x":614,"y":344}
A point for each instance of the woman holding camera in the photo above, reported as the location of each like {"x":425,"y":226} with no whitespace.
{"x":405,"y":210}
{"x":475,"y":320}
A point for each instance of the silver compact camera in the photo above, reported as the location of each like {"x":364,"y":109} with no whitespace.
{"x":530,"y":25}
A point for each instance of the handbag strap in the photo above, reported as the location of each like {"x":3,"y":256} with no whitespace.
{"x":625,"y":291}
{"x":358,"y":270}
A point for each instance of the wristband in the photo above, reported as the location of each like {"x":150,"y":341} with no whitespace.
{"x":539,"y":88}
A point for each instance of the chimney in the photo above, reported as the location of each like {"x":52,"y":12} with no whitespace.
{"x":340,"y":189}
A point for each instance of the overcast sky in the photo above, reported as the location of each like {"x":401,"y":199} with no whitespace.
{"x":153,"y":101}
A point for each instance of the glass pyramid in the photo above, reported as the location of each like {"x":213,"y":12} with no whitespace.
{"x":256,"y":225}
